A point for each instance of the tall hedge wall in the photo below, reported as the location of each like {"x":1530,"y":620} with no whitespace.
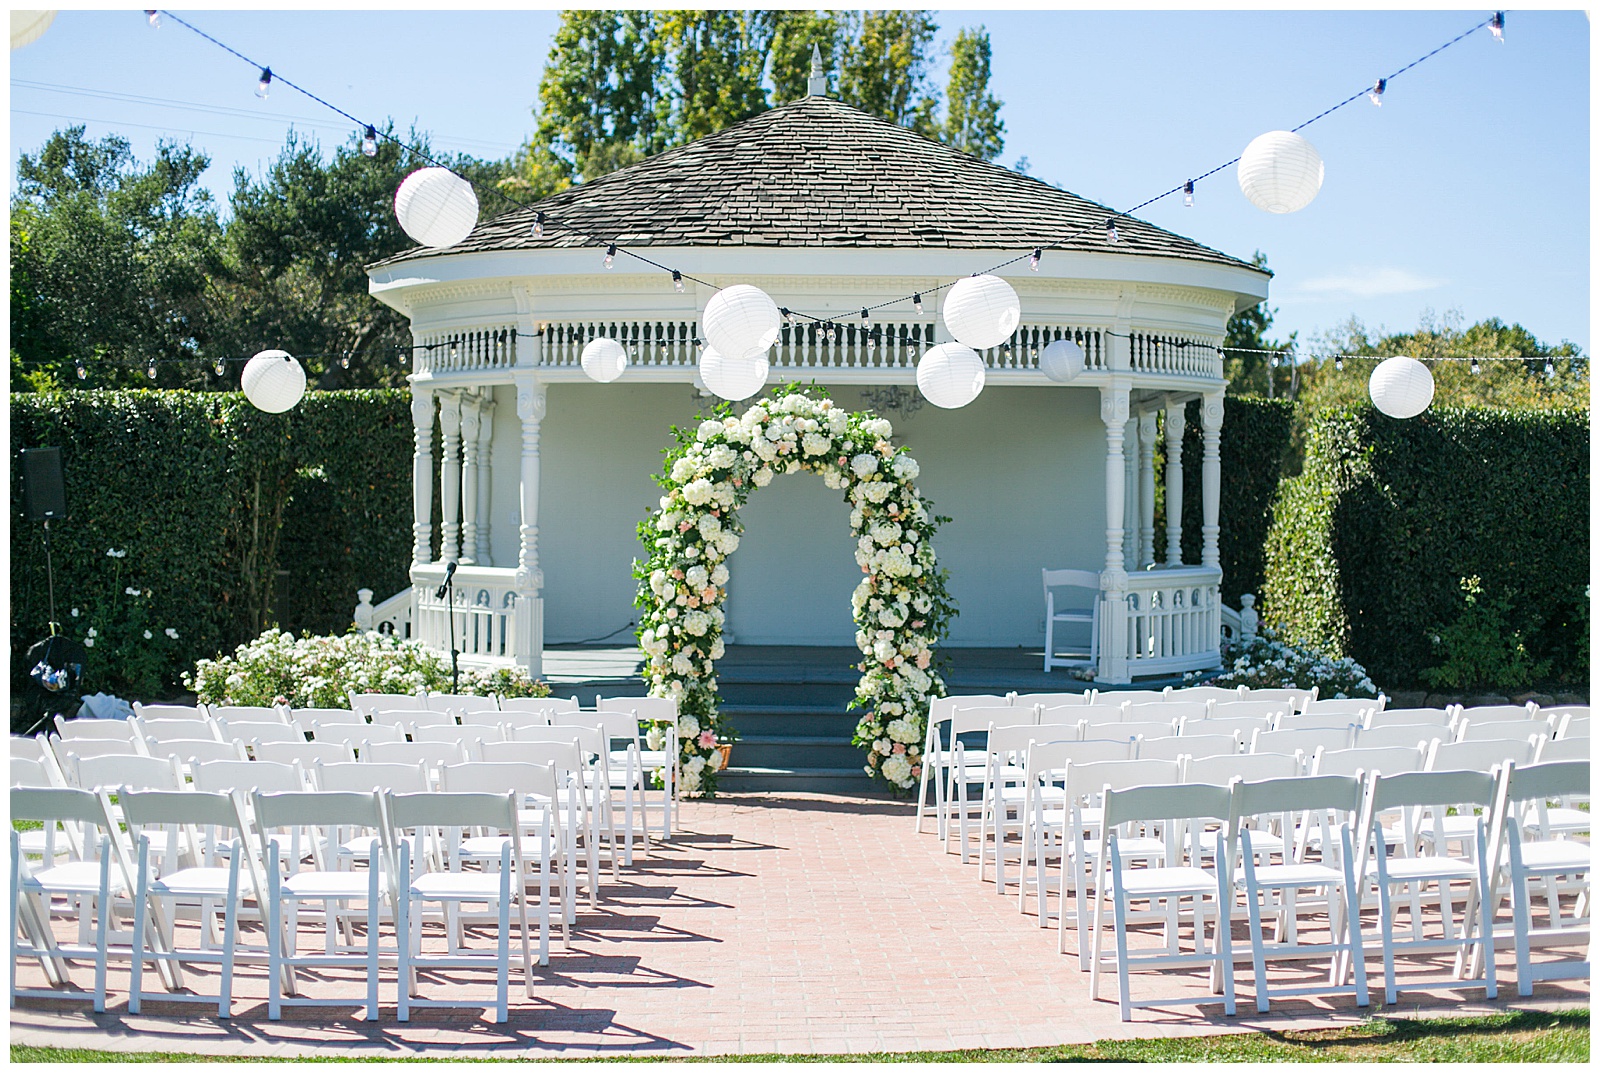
{"x":1369,"y":544}
{"x":1255,"y":444}
{"x":230,"y":519}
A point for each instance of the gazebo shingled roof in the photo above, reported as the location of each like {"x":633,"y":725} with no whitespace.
{"x":820,"y":173}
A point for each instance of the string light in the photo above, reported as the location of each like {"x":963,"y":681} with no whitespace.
{"x":344,"y":360}
{"x":866,"y":318}
{"x":1476,"y":368}
{"x":1033,"y":258}
{"x":611,"y":254}
{"x":1188,"y":194}
{"x":916,"y":303}
{"x":1497,"y":26}
{"x":538,"y":225}
{"x":154,"y":18}
{"x":1549,"y":368}
{"x":1111,"y":232}
{"x":263,"y":86}
{"x":369,"y":141}
{"x":677,"y":281}
{"x":788,"y":314}
{"x":83,"y":374}
{"x":1338,"y":363}
{"x":150,"y":370}
{"x":1375,"y":94}
{"x":221,"y":367}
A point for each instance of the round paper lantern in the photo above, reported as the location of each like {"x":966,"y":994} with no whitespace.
{"x":604,"y":359}
{"x":1401,"y":387}
{"x":1280,"y":172}
{"x":26,"y":26}
{"x":734,"y":378}
{"x":436,"y":207}
{"x":273,"y":381}
{"x":740,"y":319}
{"x":950,"y":375}
{"x":1061,"y":360}
{"x":982,"y":311}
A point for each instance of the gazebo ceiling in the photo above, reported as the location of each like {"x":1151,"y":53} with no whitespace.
{"x":819,"y":174}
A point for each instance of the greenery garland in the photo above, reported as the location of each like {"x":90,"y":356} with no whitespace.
{"x":902,"y":606}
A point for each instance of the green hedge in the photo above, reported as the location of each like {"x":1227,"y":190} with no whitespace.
{"x":208,"y":497}
{"x":1256,"y":437}
{"x":1370,"y":543}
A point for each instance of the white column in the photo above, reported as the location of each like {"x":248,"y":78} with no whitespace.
{"x":1130,"y":494}
{"x":469,"y":476}
{"x":450,"y":475}
{"x":483,"y":552}
{"x":422,"y":476}
{"x":1114,"y":578}
{"x":1210,"y":477}
{"x":1147,"y":488}
{"x":531,"y":405}
{"x":1174,"y":434}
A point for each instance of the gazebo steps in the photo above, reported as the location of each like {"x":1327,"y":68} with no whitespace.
{"x":795,"y":752}
{"x":818,"y":780}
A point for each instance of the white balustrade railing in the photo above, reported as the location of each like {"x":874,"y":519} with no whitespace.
{"x":493,"y":347}
{"x":1182,"y":355}
{"x":492,"y":626}
{"x":1174,"y":620}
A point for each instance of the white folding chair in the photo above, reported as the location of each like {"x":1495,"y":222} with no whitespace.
{"x":592,"y":782}
{"x":162,"y":730}
{"x":622,"y":768}
{"x":1416,"y":735}
{"x":538,"y":704}
{"x":1129,"y":696}
{"x":1432,"y":717}
{"x":1556,"y":750}
{"x":476,"y":740}
{"x":94,"y":729}
{"x":420,"y":816}
{"x":1331,"y":804}
{"x":1251,"y":767}
{"x":1191,"y":745}
{"x":1523,"y":730}
{"x":1394,"y":760}
{"x":248,"y":734}
{"x":1251,"y":707}
{"x":1502,"y":713}
{"x":1567,"y":721}
{"x":366,"y":704}
{"x":1542,"y":862}
{"x":1303,"y":741}
{"x":426,"y":756}
{"x":88,"y":883}
{"x":1005,"y":791}
{"x":1165,"y":711}
{"x":1050,"y":700}
{"x":1353,"y":706}
{"x":460,"y":703}
{"x":1044,"y":809}
{"x":1088,"y":653}
{"x":1177,"y":810}
{"x":305,"y":753}
{"x":966,"y":763}
{"x":188,"y":876}
{"x":1317,"y":721}
{"x":192,"y":754}
{"x":935,"y":756}
{"x":144,"y":712}
{"x":354,"y":734}
{"x":1433,"y":792}
{"x":1245,"y":726}
{"x":250,"y":713}
{"x":305,"y":717}
{"x":31,"y":748}
{"x":1129,"y":728}
{"x":1297,"y":701}
{"x":658,"y":753}
{"x":319,"y":819}
{"x":1220,"y":694}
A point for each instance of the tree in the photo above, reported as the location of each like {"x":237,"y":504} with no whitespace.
{"x":972,"y":121}
{"x":113,"y":263}
{"x":884,"y":63}
{"x":1246,"y":365}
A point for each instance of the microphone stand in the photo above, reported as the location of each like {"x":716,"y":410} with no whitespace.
{"x":449,"y":588}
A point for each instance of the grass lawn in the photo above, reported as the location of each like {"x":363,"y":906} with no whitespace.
{"x":1506,"y":1037}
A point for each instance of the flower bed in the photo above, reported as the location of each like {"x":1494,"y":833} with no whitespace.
{"x":901,"y":607}
{"x":322,"y":672}
{"x":1264,"y":662}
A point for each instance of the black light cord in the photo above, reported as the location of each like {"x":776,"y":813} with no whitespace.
{"x":1496,"y":20}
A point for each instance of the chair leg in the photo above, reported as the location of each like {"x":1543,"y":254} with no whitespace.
{"x":230,"y":937}
{"x":102,"y":911}
{"x":1258,"y":956}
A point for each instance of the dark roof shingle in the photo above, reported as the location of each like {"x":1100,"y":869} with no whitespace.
{"x":817,"y":172}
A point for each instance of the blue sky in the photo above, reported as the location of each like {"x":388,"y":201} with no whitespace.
{"x":1467,"y":190}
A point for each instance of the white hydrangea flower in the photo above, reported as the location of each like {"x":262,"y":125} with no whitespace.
{"x":688,"y":727}
{"x":697,"y":623}
{"x":698,"y":492}
{"x":863,"y":465}
{"x":721,"y":456}
{"x":906,"y":468}
{"x":709,"y":526}
{"x":708,"y":430}
{"x":697,"y":576}
{"x":816,"y":444}
{"x":897,"y":769}
{"x":719,"y":575}
{"x":902,"y":730}
{"x":875,"y":492}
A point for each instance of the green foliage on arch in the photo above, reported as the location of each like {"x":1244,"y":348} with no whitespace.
{"x":902,"y":606}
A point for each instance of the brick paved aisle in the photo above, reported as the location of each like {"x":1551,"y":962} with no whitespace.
{"x":772,"y":923}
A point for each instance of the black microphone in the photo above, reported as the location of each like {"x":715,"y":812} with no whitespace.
{"x":449,"y":572}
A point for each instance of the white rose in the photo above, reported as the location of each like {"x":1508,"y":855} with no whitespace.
{"x":719,"y":576}
{"x":897,"y":769}
{"x":906,"y":468}
{"x":722,"y":456}
{"x":717,"y":650}
{"x":697,"y":623}
{"x":875,"y":492}
{"x":697,"y":577}
{"x":709,"y":430}
{"x":863,"y":465}
{"x":698,"y":492}
{"x":816,"y":444}
{"x":763,"y":477}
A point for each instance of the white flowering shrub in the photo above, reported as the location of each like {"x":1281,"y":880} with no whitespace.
{"x":1264,"y":662}
{"x":321,"y":672}
{"x":901,"y":607}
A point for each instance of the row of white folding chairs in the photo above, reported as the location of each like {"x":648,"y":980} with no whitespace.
{"x":434,"y":826}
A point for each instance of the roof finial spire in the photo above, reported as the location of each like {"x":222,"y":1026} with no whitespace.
{"x":817,"y":84}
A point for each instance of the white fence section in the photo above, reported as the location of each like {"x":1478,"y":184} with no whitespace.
{"x":1174,"y":620}
{"x":494,"y":624}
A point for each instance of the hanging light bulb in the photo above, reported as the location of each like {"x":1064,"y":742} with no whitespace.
{"x":1497,"y":26}
{"x":263,"y":86}
{"x":916,"y":303}
{"x":611,"y":254}
{"x":1111,"y":232}
{"x":1188,"y":194}
{"x":829,"y":333}
{"x":1375,"y":94}
{"x":1474,"y":368}
{"x":866,"y":319}
{"x":221,"y":367}
{"x":677,"y":281}
{"x":788,"y":314}
{"x":150,"y":370}
{"x":402,"y":355}
{"x":344,"y":360}
{"x":154,"y":18}
{"x":1338,"y":362}
{"x":1549,"y":369}
{"x":83,"y":374}
{"x":1033,"y":258}
{"x":538,"y":225}
{"x":1275,"y":361}
{"x":369,"y":142}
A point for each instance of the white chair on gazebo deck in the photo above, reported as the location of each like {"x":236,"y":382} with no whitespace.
{"x":1080,"y":616}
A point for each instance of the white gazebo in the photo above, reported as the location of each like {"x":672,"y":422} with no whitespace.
{"x":543,"y":474}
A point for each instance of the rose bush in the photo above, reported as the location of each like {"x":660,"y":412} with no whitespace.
{"x":901,"y":608}
{"x":1264,"y":662}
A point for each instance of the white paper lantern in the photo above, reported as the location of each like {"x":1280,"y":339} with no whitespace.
{"x":273,"y":381}
{"x":982,"y":311}
{"x":1280,"y":172}
{"x":740,"y":319}
{"x":1061,"y":360}
{"x":27,"y":26}
{"x":734,"y":378}
{"x":1401,"y":387}
{"x":436,"y":207}
{"x":950,"y":375}
{"x":604,"y":359}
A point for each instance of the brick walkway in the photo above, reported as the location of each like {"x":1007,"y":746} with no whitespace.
{"x":789,"y":924}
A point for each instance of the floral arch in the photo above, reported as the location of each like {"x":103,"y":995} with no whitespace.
{"x":901,"y":607}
